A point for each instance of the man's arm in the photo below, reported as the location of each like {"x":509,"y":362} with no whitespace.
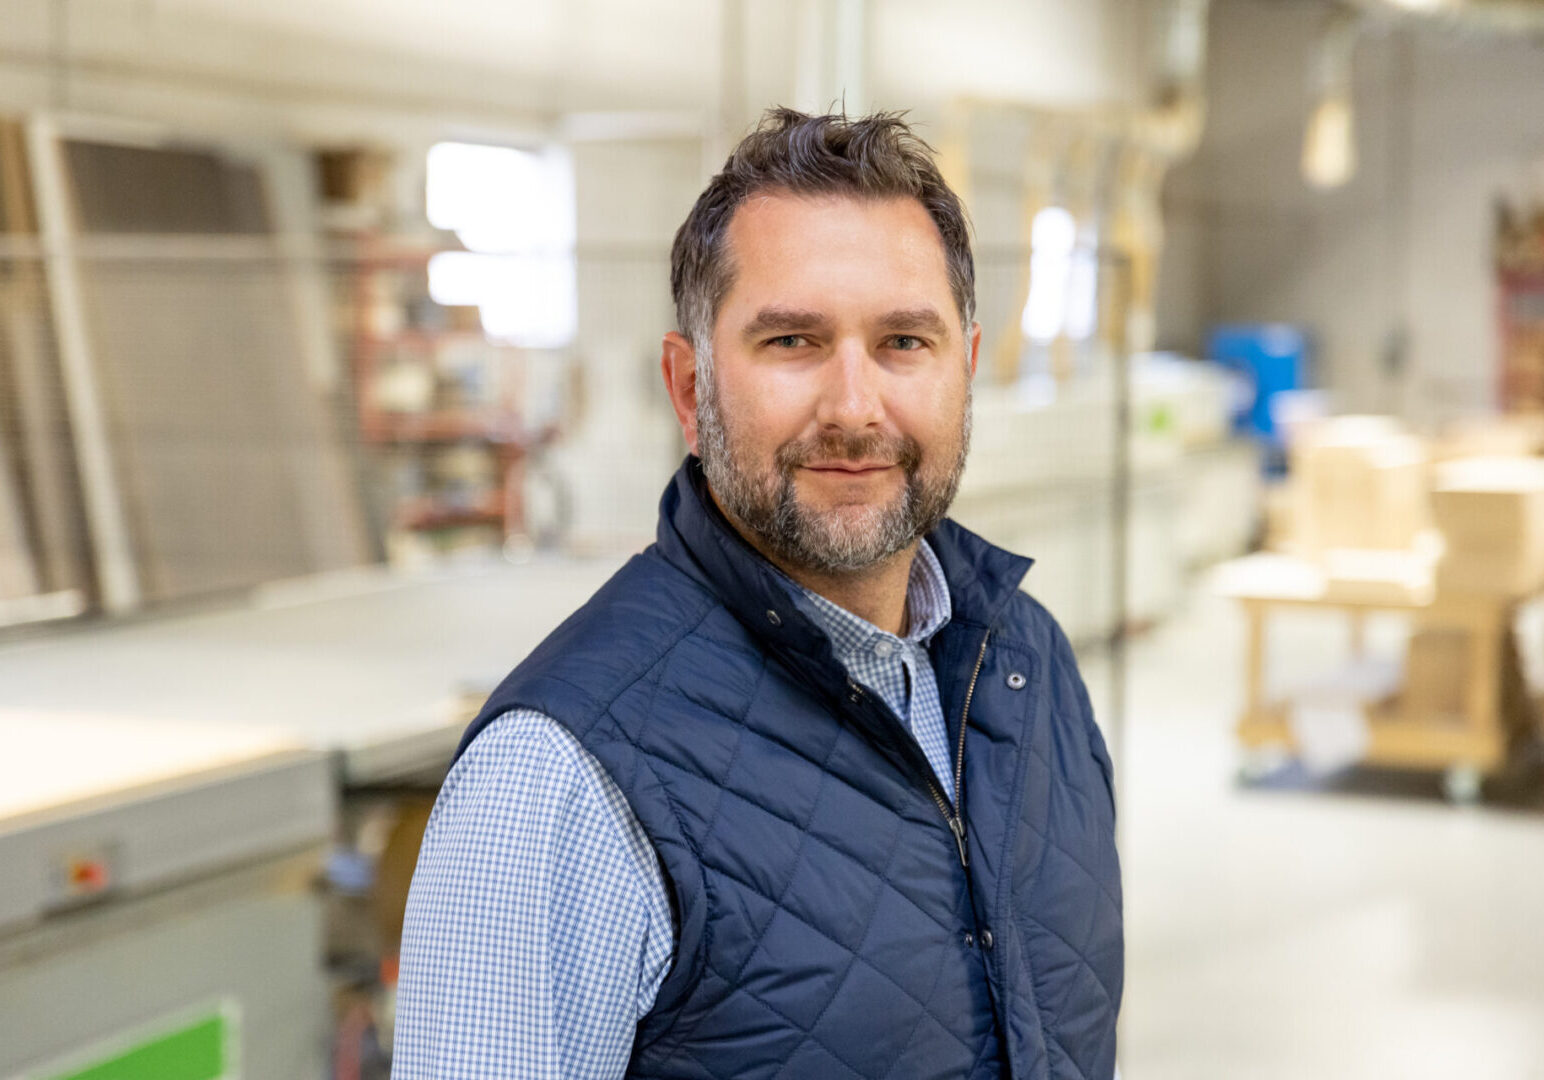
{"x":538,"y":928}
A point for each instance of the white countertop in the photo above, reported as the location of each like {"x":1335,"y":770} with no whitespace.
{"x":371,"y":665}
{"x":54,"y":759}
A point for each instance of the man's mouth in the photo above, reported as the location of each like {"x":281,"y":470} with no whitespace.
{"x":850,"y":467}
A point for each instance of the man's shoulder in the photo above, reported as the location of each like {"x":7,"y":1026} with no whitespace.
{"x":526,"y":741}
{"x":521,"y":756}
{"x":633,"y":622}
{"x":645,"y":609}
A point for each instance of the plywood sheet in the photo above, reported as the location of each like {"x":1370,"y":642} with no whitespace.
{"x":109,"y":753}
{"x":221,"y":449}
{"x":375,"y":669}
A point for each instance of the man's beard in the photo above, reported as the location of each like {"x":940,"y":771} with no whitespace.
{"x":845,"y":538}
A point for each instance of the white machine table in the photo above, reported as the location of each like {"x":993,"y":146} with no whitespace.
{"x":167,"y":787}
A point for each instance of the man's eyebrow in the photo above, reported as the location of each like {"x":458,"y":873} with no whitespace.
{"x":915,"y":319}
{"x":786,"y":320}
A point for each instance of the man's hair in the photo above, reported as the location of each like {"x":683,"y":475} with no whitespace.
{"x":868,"y":157}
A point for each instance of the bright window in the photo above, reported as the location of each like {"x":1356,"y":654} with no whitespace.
{"x":1063,"y":280}
{"x":514,"y":212}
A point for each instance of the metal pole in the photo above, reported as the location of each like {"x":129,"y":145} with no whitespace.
{"x":1120,"y":548}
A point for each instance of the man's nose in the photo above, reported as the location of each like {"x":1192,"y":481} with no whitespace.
{"x":850,"y":398}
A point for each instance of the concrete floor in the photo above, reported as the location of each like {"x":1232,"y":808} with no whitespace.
{"x":1355,"y":928}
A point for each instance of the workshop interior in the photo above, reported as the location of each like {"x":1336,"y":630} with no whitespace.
{"x":330,"y":385}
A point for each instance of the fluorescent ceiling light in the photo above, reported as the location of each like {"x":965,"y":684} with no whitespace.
{"x":1329,"y":145}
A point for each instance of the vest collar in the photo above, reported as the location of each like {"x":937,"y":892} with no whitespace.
{"x":696,"y":537}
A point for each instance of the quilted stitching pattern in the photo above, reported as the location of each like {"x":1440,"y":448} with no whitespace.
{"x":774,"y":846}
{"x":821,"y":903}
{"x":758,"y":841}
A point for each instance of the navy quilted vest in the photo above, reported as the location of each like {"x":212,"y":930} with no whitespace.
{"x":826,"y":925}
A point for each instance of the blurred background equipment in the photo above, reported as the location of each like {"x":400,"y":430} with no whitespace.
{"x":159,"y":890}
{"x":329,"y":341}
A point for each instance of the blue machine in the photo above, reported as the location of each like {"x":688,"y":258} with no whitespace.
{"x":1270,"y":358}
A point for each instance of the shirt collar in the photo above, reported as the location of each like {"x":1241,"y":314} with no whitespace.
{"x":927,"y":607}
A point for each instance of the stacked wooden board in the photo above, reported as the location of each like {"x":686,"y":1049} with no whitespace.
{"x":1491,"y":515}
{"x":42,"y":540}
{"x":160,"y":437}
{"x":1361,"y":483}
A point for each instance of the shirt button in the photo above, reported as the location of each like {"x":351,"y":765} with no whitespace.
{"x":970,"y":940}
{"x":986,"y":939}
{"x":883,"y":649}
{"x":774,"y":618}
{"x":1016,"y":681}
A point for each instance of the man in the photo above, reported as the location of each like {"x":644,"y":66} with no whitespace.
{"x":810,"y":788}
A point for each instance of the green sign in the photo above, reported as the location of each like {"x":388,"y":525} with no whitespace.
{"x":202,"y":1049}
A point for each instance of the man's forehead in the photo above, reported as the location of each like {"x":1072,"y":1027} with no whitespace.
{"x":777,"y":207}
{"x":783,"y":235}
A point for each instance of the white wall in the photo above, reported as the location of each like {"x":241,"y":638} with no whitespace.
{"x":624,"y":443}
{"x":1042,"y":52}
{"x":1445,"y":123}
{"x":336,"y":64}
{"x":339,"y":67}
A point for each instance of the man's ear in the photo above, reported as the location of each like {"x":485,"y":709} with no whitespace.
{"x":678,"y":363}
{"x":975,"y":347}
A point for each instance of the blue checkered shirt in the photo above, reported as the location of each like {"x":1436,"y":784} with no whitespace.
{"x":898,"y":669}
{"x":538,"y":927}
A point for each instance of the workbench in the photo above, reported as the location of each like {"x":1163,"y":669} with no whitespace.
{"x":1494,"y":715}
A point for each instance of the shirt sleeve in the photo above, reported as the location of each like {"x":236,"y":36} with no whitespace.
{"x":538,"y":929}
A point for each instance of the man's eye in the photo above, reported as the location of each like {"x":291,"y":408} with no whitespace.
{"x":787,"y":341}
{"x":906,"y":343}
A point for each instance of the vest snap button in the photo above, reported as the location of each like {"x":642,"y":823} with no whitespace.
{"x":1016,"y":680}
{"x":774,"y":618}
{"x":986,"y":939}
{"x":970,"y":940}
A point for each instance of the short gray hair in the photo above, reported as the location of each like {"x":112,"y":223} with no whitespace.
{"x":870,"y":157}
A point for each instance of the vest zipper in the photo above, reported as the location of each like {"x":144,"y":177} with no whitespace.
{"x":955,"y":816}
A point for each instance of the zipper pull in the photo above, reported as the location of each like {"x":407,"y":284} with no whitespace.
{"x":957,"y":827}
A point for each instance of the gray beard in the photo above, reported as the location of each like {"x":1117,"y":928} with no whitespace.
{"x":833,"y":541}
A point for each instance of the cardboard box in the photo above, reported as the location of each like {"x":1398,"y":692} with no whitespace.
{"x":1438,"y":679}
{"x":1491,"y":515}
{"x":1360,"y":483}
{"x":1358,"y":576}
{"x":1490,"y":436}
{"x":354,"y":175}
{"x":1436,"y":675}
{"x":1280,"y":518}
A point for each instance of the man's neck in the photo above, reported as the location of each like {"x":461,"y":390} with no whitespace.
{"x":876,"y":593}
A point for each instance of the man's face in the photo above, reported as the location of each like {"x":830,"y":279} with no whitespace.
{"x":836,"y":422}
